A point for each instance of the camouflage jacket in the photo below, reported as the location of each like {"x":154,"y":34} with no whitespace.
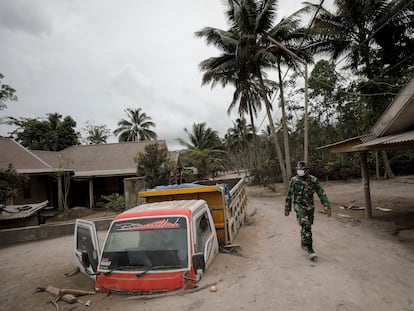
{"x":301,"y":190}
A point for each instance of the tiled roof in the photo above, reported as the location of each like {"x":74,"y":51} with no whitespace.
{"x":84,"y":160}
{"x":13,"y":153}
{"x":116,"y":156}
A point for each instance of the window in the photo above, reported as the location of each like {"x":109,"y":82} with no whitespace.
{"x":203,"y":232}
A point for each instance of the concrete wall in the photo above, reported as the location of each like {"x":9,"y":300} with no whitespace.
{"x":46,"y":231}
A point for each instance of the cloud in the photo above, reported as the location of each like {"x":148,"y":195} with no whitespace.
{"x":24,"y":16}
{"x":133,"y":84}
{"x":93,"y":59}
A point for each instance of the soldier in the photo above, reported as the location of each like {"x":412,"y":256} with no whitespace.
{"x":301,"y":190}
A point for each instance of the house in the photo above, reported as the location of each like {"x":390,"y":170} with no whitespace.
{"x":90,"y":170}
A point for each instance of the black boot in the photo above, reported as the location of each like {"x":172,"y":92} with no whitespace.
{"x":310,"y":248}
{"x":303,"y":246}
{"x":310,"y":251}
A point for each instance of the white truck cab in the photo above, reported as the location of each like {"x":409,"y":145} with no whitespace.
{"x":150,"y":248}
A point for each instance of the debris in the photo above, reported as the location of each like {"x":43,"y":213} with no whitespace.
{"x":73,"y":272}
{"x":67,"y":295}
{"x":352,"y":206}
{"x":53,"y":290}
{"x":344,"y":216}
{"x":54,"y":303}
{"x":213,"y":289}
{"x":232,"y":248}
{"x":173,"y":293}
{"x":384,"y":209}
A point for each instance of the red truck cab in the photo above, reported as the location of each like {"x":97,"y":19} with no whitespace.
{"x":154,"y":247}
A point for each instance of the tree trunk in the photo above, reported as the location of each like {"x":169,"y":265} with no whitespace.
{"x":284,"y":124}
{"x":273,"y":131}
{"x":388,"y":172}
{"x":255,"y":158}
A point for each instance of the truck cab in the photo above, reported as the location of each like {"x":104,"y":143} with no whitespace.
{"x":154,"y":247}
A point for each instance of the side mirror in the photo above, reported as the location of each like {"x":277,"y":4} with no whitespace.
{"x":199,"y":262}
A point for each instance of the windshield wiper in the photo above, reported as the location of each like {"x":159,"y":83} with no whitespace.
{"x":162,"y":267}
{"x":147,"y":268}
{"x":126,"y":267}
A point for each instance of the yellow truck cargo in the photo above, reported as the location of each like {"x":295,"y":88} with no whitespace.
{"x":226,"y":199}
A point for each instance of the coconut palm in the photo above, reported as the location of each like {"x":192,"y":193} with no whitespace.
{"x":379,"y":47}
{"x":353,"y":31}
{"x":201,"y":137}
{"x":97,"y":134}
{"x":246,"y":52}
{"x":238,"y":141}
{"x":136,"y":127}
{"x":205,"y":149}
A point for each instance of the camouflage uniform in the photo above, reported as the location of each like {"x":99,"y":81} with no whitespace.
{"x":301,"y":190}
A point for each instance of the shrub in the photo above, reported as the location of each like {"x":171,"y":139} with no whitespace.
{"x":114,"y":202}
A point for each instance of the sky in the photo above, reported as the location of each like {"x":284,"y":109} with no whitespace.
{"x":92,"y":59}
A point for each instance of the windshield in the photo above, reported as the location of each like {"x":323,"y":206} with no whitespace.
{"x":146,"y":244}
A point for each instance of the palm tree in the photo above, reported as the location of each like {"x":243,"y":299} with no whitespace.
{"x":201,"y":137}
{"x":361,"y":33}
{"x":205,"y":149}
{"x":246,"y":52}
{"x":238,"y":140}
{"x":136,"y":128}
{"x":97,"y":134}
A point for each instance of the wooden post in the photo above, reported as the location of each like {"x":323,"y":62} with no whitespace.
{"x":60,"y":192}
{"x":91,"y":200}
{"x":365,"y":182}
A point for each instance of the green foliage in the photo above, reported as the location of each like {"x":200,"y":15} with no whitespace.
{"x":114,"y":202}
{"x":96,"y":134}
{"x":53,"y":134}
{"x":201,"y":137}
{"x":136,"y":128}
{"x":7,"y":93}
{"x":154,"y":165}
{"x":10,"y":182}
{"x":402,"y":162}
{"x":205,"y":150}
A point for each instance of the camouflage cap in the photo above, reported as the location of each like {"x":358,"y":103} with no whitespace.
{"x":302,"y":165}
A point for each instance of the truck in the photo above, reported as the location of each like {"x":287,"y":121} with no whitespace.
{"x":165,"y":243}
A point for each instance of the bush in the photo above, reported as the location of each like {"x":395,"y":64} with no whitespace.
{"x":114,"y":202}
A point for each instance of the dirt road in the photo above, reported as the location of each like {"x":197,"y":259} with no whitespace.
{"x":362,"y":265}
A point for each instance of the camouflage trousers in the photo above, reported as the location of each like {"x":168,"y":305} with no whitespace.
{"x":305,"y":218}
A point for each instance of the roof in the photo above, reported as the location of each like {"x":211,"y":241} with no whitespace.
{"x":390,"y":142}
{"x":104,"y":158}
{"x":399,"y":115}
{"x":21,"y":158}
{"x":84,"y":160}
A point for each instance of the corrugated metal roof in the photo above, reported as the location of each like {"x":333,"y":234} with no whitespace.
{"x":391,"y":139}
{"x":399,"y":115}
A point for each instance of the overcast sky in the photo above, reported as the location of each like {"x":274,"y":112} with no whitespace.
{"x":91,"y":59}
